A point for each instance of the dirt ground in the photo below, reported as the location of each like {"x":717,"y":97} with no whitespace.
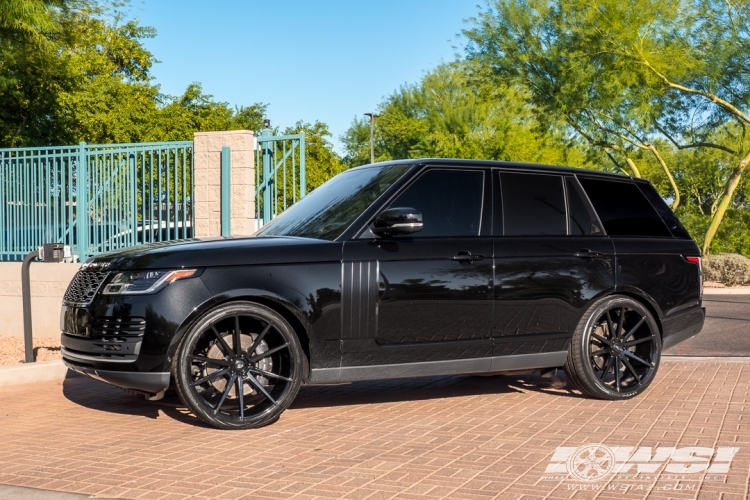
{"x":12,"y":351}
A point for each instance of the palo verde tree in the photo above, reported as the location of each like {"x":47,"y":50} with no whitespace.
{"x":452,"y":114}
{"x":642,"y":75}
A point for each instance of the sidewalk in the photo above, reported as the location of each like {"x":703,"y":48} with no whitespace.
{"x":452,"y":437}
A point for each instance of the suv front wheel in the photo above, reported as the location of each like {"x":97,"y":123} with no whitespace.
{"x":615,"y":350}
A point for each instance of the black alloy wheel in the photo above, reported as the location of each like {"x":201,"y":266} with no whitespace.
{"x":239,"y":367}
{"x":615,"y":350}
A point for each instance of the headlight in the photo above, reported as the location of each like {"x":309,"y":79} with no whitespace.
{"x":140,"y":282}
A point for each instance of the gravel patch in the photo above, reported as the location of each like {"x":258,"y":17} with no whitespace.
{"x":12,"y":351}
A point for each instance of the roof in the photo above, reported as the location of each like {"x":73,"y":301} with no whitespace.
{"x":532,"y":167}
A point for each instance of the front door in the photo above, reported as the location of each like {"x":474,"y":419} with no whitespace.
{"x":426,"y":296}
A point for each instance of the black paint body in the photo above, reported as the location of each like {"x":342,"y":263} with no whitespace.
{"x":363,"y":301}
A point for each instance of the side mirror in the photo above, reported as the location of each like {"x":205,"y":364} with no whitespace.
{"x":397,"y":221}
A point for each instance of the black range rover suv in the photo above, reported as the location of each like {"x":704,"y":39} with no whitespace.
{"x":401,"y":269}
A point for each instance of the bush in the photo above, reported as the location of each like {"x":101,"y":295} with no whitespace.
{"x":728,"y":268}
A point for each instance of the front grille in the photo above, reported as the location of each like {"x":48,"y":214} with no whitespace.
{"x":112,"y":339}
{"x":84,"y":286}
{"x":118,"y":327}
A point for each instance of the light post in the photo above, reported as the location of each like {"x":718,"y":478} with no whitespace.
{"x":372,"y":135}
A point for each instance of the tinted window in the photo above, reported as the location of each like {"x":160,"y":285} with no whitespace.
{"x":450,"y":202}
{"x":664,"y":211}
{"x":581,"y":221}
{"x":533,"y":204}
{"x":623,"y":209}
{"x":330,"y":209}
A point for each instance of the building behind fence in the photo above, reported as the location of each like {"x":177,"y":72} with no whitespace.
{"x":97,"y":198}
{"x":94,"y":197}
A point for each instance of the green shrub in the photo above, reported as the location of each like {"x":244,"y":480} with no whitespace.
{"x":728,"y":268}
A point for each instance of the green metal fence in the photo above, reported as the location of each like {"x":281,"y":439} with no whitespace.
{"x":279,"y":173}
{"x":95,"y":198}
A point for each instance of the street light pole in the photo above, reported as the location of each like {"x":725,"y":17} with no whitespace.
{"x":372,"y":135}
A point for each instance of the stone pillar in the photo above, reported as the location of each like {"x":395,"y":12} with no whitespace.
{"x":207,"y":180}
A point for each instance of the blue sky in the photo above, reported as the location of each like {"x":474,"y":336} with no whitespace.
{"x":310,"y":60}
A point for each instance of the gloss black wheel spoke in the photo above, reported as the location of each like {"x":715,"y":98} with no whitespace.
{"x":236,"y":336}
{"x":631,"y":370}
{"x":638,"y":341}
{"x":222,"y":343}
{"x":606,"y":368}
{"x":634,"y":329}
{"x":620,"y":323}
{"x":255,"y":359}
{"x":241,"y":395}
{"x":636,"y":358}
{"x":212,"y":376}
{"x":601,"y":352}
{"x":258,"y":339}
{"x":266,"y":374}
{"x":610,"y":325}
{"x":601,"y":339}
{"x":262,"y":389}
{"x":225,"y":394}
{"x":617,"y":373}
{"x":211,"y":361}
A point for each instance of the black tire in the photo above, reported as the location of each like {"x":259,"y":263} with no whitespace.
{"x":615,"y":351}
{"x":222,"y":375}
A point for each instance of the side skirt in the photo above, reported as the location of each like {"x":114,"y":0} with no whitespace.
{"x":433,"y":368}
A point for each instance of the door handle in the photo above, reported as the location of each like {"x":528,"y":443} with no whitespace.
{"x":588,"y":254}
{"x":467,"y":257}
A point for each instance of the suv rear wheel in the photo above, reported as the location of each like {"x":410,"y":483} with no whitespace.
{"x":615,"y":350}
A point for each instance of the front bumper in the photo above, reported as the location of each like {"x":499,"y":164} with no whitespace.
{"x":146,"y":382}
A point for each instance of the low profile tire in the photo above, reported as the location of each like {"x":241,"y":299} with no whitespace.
{"x":239,"y":367}
{"x":615,"y":350}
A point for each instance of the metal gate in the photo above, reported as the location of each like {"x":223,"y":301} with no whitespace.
{"x":94,"y":198}
{"x":279,"y":174}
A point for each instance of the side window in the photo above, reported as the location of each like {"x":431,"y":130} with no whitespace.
{"x":533,"y":204}
{"x":450,"y":202}
{"x":623,"y":209}
{"x":581,"y":220}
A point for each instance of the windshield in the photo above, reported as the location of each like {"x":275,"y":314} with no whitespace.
{"x":330,"y":209}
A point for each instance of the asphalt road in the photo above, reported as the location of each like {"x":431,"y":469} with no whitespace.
{"x":726,"y":331}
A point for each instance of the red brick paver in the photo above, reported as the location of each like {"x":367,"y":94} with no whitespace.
{"x":453,"y":437}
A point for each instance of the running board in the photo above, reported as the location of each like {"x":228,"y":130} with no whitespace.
{"x":434,"y":368}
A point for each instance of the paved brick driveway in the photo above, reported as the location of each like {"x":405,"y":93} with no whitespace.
{"x":457,"y":437}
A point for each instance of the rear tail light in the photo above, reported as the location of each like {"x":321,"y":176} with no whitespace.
{"x":697,"y":261}
{"x":694,"y":260}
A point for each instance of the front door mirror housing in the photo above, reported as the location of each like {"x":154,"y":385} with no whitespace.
{"x":401,"y":220}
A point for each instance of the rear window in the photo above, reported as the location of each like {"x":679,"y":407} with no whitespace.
{"x":623,"y":208}
{"x":677,"y":229}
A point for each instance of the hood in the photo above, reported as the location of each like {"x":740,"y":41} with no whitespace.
{"x":219,"y":252}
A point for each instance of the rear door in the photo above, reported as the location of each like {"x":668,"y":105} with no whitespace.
{"x":650,"y":260}
{"x":552,"y":259}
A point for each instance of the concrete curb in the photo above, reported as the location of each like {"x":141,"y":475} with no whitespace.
{"x":737,"y":290}
{"x":32,"y":372}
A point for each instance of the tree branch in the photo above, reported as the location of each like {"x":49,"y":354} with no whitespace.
{"x":663,"y":164}
{"x":711,"y":97}
{"x":696,"y":144}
